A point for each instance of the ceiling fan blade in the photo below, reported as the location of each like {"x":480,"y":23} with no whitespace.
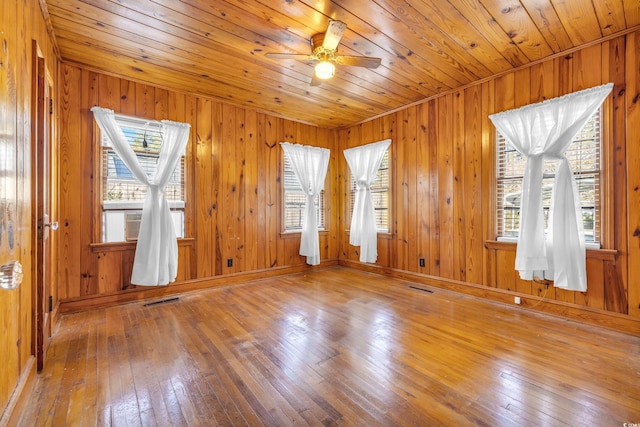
{"x":359,"y":61}
{"x":298,"y":56}
{"x":334,"y":33}
{"x":315,"y":81}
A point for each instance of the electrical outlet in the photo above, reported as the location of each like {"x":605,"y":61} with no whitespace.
{"x":230,"y":262}
{"x":421,"y":262}
{"x":516,"y":300}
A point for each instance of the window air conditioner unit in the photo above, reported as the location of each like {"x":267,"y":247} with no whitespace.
{"x":132,"y":226}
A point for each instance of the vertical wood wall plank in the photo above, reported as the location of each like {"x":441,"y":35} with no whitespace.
{"x":542,"y":81}
{"x":145,"y":101}
{"x":214,"y":189}
{"x":69,"y":157}
{"x":594,"y":297}
{"x":161,"y":104}
{"x":109,"y":272}
{"x":205,"y":211}
{"x":240,"y":217}
{"x":586,"y":73}
{"x":473,"y":185}
{"x":227,"y":208}
{"x":109,"y":90}
{"x":414,"y":204}
{"x":127,"y":97}
{"x":505,"y":273}
{"x":189,"y":116}
{"x":261,"y":186}
{"x":488,"y":176}
{"x":422,"y":197}
{"x":434,"y":190}
{"x":271,"y":155}
{"x":459,"y":194}
{"x":400,"y":197}
{"x":445,"y":183}
{"x":250,"y":209}
{"x":617,"y":226}
{"x":89,"y":206}
{"x":632,"y":69}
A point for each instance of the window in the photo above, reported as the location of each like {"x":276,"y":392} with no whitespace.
{"x":295,"y":199}
{"x":122,"y":196}
{"x":584,"y":156}
{"x":379,"y":195}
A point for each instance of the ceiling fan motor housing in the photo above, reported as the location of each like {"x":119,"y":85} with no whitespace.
{"x":319,"y":51}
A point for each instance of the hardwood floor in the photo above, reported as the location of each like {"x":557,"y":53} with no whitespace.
{"x":333,"y":347}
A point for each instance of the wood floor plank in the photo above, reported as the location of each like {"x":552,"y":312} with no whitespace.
{"x":333,"y":346}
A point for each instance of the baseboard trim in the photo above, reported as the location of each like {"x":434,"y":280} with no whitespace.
{"x":567,"y":311}
{"x":145,"y":293}
{"x":20,"y":396}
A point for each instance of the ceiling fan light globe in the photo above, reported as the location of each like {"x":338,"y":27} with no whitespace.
{"x":325,"y":70}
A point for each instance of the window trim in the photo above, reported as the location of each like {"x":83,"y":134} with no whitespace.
{"x":98,"y":205}
{"x":351,"y":197}
{"x":324,"y":228}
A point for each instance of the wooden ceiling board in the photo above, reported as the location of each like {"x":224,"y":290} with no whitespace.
{"x":610,"y":15}
{"x":216,"y":48}
{"x":518,"y":25}
{"x":546,"y":19}
{"x":471,"y":38}
{"x":631,"y":13}
{"x":579,"y":19}
{"x":486,"y":26}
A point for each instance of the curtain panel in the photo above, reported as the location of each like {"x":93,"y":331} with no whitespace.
{"x":364,"y":162}
{"x":310,"y":167}
{"x":545,"y":131}
{"x":156,"y":257}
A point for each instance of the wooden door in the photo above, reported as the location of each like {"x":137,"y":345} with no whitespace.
{"x":42,"y":190}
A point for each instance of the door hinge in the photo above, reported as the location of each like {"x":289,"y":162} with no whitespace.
{"x":50,"y":303}
{"x":50,"y":105}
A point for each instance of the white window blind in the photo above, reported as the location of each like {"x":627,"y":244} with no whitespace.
{"x":379,"y":194}
{"x":294,"y":200}
{"x":584,"y":156}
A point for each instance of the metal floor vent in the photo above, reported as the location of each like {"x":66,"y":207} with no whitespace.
{"x":162,"y":301}
{"x":429,"y":291}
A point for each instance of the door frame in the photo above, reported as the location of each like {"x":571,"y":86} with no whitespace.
{"x":42,"y":205}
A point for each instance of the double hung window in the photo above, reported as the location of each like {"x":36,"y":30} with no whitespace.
{"x":584,"y":157}
{"x":122,"y":195}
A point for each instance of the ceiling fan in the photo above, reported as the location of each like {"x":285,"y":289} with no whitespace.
{"x":324,"y":48}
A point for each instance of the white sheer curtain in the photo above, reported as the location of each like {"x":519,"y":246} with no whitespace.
{"x":310,"y":167}
{"x":156,"y":258}
{"x":540,"y":131}
{"x":364,"y":162}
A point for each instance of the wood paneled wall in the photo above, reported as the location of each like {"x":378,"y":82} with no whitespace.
{"x":21,"y":23}
{"x":234,"y":163}
{"x":443,"y":173}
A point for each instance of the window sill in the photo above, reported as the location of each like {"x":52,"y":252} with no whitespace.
{"x":296,"y":234}
{"x":588,"y":245}
{"x":592,"y":252}
{"x":385,"y":235}
{"x":121,"y":246}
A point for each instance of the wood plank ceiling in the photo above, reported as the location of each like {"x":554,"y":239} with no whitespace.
{"x":217,"y":48}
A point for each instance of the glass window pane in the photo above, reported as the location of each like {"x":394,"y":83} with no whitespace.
{"x":379,"y":194}
{"x":584,"y":157}
{"x":294,"y":200}
{"x":121,"y":194}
